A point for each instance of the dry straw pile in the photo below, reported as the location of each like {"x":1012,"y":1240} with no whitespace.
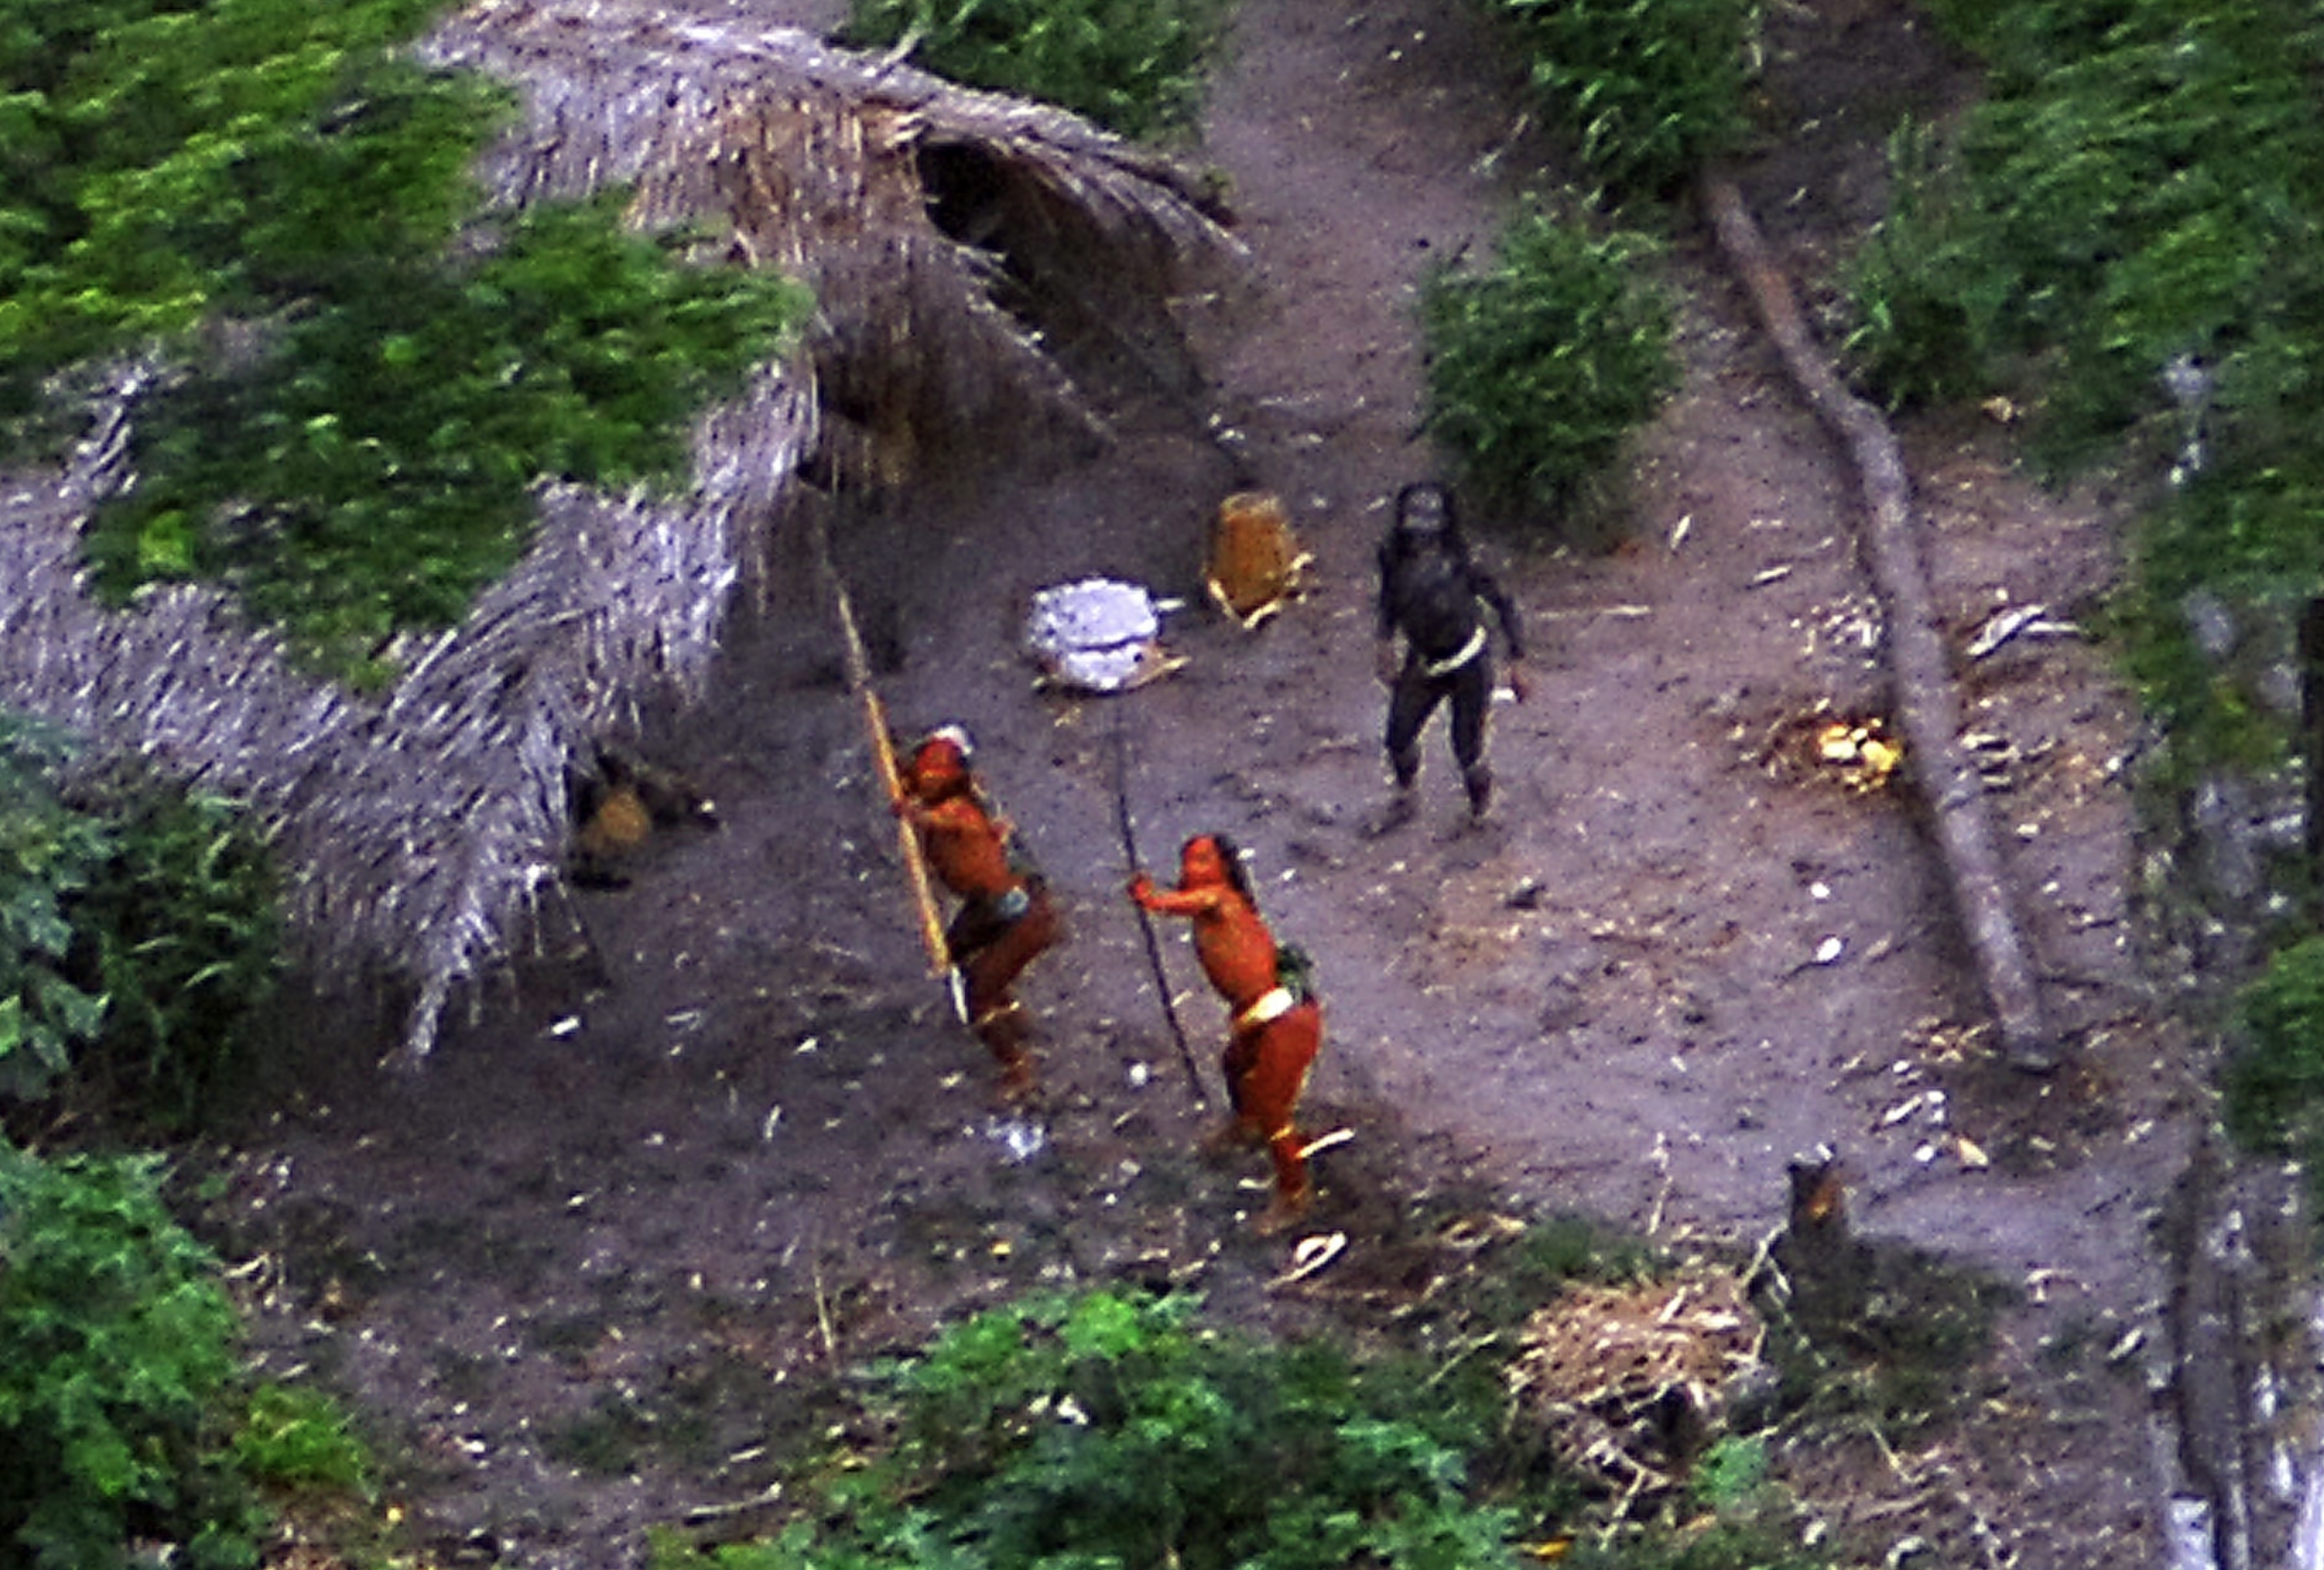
{"x":1630,"y":1379}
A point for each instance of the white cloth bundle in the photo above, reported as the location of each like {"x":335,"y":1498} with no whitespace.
{"x":1098,"y":634}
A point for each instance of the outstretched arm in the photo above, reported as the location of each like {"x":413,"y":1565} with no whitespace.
{"x":1172,"y":902}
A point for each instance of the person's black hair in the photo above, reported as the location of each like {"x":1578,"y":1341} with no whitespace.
{"x":1446,"y":532}
{"x":1232,"y":854}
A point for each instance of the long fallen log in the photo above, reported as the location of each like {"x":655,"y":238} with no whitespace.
{"x":1926,"y":710}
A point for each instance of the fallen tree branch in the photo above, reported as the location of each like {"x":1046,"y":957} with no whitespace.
{"x":1926,"y":710}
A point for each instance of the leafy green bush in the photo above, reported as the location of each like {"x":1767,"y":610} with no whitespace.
{"x":2138,"y":184}
{"x":49,"y":853}
{"x":1540,"y":364}
{"x":1137,"y":67}
{"x":380,"y":463}
{"x":1652,"y":88}
{"x":139,"y":931}
{"x":117,"y":1347}
{"x":357,"y":406}
{"x":1113,"y":1430}
{"x":181,"y":932}
{"x":164,"y":161}
{"x":1919,"y":334}
{"x":2275,"y":1087}
{"x":292,"y":1437}
{"x":2133,"y":204}
{"x":1722,"y":1545}
{"x":2154,"y":197}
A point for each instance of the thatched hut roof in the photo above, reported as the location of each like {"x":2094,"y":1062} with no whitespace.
{"x":912,"y":206}
{"x":420,"y":831}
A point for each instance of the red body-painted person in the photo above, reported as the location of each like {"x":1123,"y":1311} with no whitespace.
{"x":1005,"y":918}
{"x":1275,"y":1024}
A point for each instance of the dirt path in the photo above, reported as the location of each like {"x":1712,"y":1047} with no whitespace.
{"x":586,"y":1257}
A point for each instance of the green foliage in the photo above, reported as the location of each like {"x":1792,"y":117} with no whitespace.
{"x":2136,"y":190}
{"x":1730,"y":1472}
{"x":2275,"y":1087}
{"x":1137,"y":67}
{"x":1529,"y":1270}
{"x":380,"y":463}
{"x":1922,"y":326}
{"x":48,"y":854}
{"x":182,"y":932}
{"x":2154,"y":195}
{"x":1885,"y":1335}
{"x":294,"y":1437}
{"x":1105,"y":1431}
{"x":1540,"y":364}
{"x":1651,"y":89}
{"x":2138,"y":183}
{"x":163,"y":159}
{"x":115,"y":1353}
{"x":1718,"y":1544}
{"x":2252,"y":538}
{"x":139,"y":931}
{"x":122,"y":1414}
{"x":358,"y":407}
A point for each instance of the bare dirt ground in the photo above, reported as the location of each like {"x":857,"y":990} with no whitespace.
{"x":580,"y":1268}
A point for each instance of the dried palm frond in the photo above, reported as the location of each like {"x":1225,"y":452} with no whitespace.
{"x":912,"y":207}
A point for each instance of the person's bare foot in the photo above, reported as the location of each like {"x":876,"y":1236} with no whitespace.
{"x":1285,"y":1211}
{"x":1226,"y":1139}
{"x":1395,"y":815}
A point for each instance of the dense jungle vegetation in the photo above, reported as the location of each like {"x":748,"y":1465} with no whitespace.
{"x":2119,"y":241}
{"x":261,"y":198}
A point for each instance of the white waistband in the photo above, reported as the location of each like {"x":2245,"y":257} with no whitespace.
{"x":1451,"y":663}
{"x":1273,"y":1005}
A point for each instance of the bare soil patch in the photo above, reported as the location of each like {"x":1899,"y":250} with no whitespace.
{"x":594,"y":1261}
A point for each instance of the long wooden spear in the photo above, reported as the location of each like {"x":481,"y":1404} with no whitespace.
{"x":884,"y":758}
{"x":1146,"y":922}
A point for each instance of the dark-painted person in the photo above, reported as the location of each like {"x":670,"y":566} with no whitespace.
{"x":1443,"y":609}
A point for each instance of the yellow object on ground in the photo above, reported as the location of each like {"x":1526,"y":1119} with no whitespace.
{"x":1256,"y":562}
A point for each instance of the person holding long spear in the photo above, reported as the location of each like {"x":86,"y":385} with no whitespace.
{"x":1275,"y":1021}
{"x":1006,"y":919}
{"x":947,"y":828}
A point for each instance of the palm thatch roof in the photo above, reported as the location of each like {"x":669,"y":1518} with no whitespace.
{"x":420,"y":831}
{"x":912,"y":207}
